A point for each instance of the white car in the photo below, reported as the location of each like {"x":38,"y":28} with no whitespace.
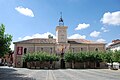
{"x":116,"y":65}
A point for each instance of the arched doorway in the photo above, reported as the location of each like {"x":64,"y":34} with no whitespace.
{"x":25,"y":63}
{"x":62,"y":64}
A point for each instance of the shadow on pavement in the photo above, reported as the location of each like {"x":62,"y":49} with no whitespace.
{"x":11,"y":74}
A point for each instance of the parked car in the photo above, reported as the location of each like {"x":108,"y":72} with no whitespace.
{"x":115,"y":65}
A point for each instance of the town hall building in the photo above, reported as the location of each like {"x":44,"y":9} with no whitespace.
{"x":54,"y":46}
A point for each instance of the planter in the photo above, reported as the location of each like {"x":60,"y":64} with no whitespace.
{"x":103,"y":65}
{"x":79,"y":65}
{"x":28,"y":65}
{"x":37,"y":64}
{"x":57,"y":65}
{"x":46,"y":65}
{"x":32,"y":64}
{"x":68,"y":65}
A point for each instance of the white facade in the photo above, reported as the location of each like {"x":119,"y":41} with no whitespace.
{"x":115,"y":47}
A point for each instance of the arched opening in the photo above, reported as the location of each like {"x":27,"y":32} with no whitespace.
{"x":51,"y":50}
{"x":62,"y":64}
{"x":73,"y":50}
{"x":81,"y":49}
{"x":25,"y":50}
{"x":96,"y":49}
{"x":25,"y":63}
{"x":41,"y":49}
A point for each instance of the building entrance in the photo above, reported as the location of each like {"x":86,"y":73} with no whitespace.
{"x":62,"y":64}
{"x":24,"y":64}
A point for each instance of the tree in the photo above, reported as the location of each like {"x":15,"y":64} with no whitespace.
{"x":106,"y":56}
{"x":5,"y":41}
{"x":69,"y":57}
{"x":115,"y":56}
{"x":39,"y":56}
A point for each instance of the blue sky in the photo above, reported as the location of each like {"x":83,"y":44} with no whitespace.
{"x":97,"y":20}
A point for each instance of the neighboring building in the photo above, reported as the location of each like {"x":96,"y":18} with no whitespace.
{"x":7,"y":59}
{"x":57,"y":46}
{"x":115,"y":45}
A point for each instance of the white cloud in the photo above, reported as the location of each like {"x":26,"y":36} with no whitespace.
{"x":12,"y":46}
{"x":94,"y":34}
{"x":37,"y":35}
{"x":25,"y":11}
{"x":111,"y":18}
{"x":104,"y":29}
{"x":44,"y":35}
{"x":82,"y":26}
{"x":77,"y":36}
{"x":101,"y":40}
{"x":108,"y":44}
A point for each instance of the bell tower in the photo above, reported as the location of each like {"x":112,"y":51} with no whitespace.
{"x":61,"y":31}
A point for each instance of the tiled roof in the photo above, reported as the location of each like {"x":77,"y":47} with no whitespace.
{"x":38,"y":40}
{"x":79,"y":41}
{"x":115,"y":43}
{"x":76,"y":41}
{"x":53,"y":41}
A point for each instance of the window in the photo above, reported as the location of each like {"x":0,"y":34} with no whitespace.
{"x":96,"y":49}
{"x":81,"y":49}
{"x":41,"y":49}
{"x":50,"y":50}
{"x":73,"y":50}
{"x":25,"y":50}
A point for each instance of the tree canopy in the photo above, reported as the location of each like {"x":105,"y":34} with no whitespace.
{"x":5,"y":41}
{"x":40,"y":56}
{"x":108,"y":56}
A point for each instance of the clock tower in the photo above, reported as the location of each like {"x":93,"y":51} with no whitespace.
{"x":61,"y":32}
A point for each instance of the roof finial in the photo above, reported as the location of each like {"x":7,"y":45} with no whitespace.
{"x":61,"y":23}
{"x":61,"y":14}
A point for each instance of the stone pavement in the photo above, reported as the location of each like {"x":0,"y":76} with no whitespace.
{"x":7,"y":73}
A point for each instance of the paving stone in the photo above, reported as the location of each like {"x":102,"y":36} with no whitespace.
{"x":7,"y":73}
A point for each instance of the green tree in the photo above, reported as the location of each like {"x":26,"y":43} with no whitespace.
{"x":5,"y":41}
{"x":69,"y":57}
{"x":106,"y":56}
{"x":115,"y":56}
{"x":39,"y":56}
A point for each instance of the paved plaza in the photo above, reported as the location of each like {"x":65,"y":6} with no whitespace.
{"x":7,"y":73}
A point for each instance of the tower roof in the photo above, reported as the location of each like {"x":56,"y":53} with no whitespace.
{"x":61,"y":22}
